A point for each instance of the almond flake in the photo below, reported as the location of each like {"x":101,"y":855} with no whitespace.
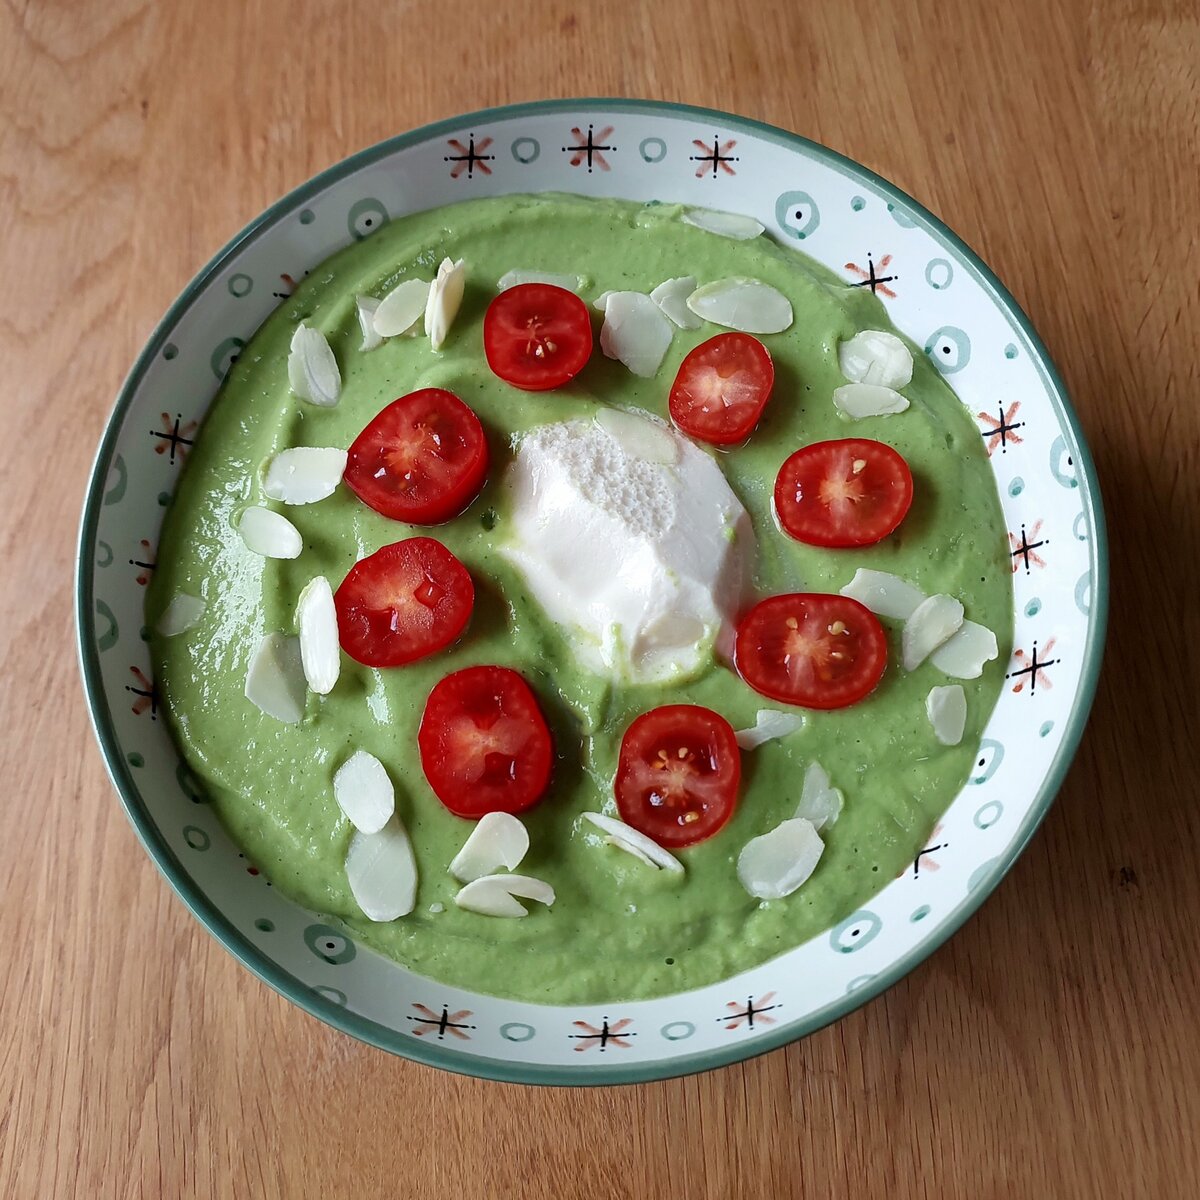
{"x":382,"y":872}
{"x":320,"y":650}
{"x":634,"y":842}
{"x":963,"y":655}
{"x":933,"y":622}
{"x":180,"y":615}
{"x":364,"y":792}
{"x":495,"y":895}
{"x":635,"y":332}
{"x":269,"y":533}
{"x":885,"y":595}
{"x":672,"y":296}
{"x":729,"y":225}
{"x":305,"y":474}
{"x":876,"y":356}
{"x":946,"y":708}
{"x":859,"y":400}
{"x":820,"y":802}
{"x":312,"y":369}
{"x":769,"y":723}
{"x":445,"y":296}
{"x":498,"y":840}
{"x":297,"y":380}
{"x":401,"y":309}
{"x":275,"y":678}
{"x":367,"y":307}
{"x":639,"y":435}
{"x":748,"y":305}
{"x":511,"y":279}
{"x":775,"y":864}
{"x":630,"y":849}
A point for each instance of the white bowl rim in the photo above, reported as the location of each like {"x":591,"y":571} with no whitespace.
{"x":492,"y":1068}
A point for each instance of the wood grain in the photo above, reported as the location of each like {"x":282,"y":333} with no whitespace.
{"x":1051,"y":1048}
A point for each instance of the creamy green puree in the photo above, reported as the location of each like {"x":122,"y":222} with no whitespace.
{"x":618,"y":929}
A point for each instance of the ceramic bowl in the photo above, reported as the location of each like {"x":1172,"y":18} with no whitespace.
{"x":936,"y":290}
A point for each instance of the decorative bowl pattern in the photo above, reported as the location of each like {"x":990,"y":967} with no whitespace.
{"x":841,"y":214}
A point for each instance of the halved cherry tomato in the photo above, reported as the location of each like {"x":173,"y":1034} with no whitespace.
{"x":851,"y":492}
{"x":678,"y":774}
{"x":403,"y":602}
{"x":422,"y":459}
{"x":811,"y":649}
{"x":484,"y":743}
{"x":537,"y":336}
{"x":722,"y":387}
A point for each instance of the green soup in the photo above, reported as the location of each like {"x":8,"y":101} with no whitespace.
{"x":618,"y":929}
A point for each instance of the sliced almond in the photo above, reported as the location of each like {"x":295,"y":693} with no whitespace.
{"x":630,"y":849}
{"x":180,"y":615}
{"x":445,"y":296}
{"x":275,"y":678}
{"x":382,"y":872}
{"x":816,"y":781}
{"x":269,"y":533}
{"x":511,"y":279}
{"x":639,"y":435}
{"x":824,"y":808}
{"x":775,"y":864}
{"x":748,"y":305}
{"x":625,"y":837}
{"x":320,"y":650}
{"x":498,"y":840}
{"x":885,"y":595}
{"x":946,"y":708}
{"x":364,"y":792}
{"x":769,"y":723}
{"x":672,"y":296}
{"x":401,"y":309}
{"x":297,"y":380}
{"x":820,"y":802}
{"x":367,"y":307}
{"x":312,"y":369}
{"x":876,"y":356}
{"x":304,"y":474}
{"x":963,"y":655}
{"x":495,"y":895}
{"x":932,"y":623}
{"x":635,"y":332}
{"x":859,"y":400}
{"x":729,"y":225}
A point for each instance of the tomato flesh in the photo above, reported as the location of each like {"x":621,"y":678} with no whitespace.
{"x":811,"y":649}
{"x":849,"y":492}
{"x":678,"y":774}
{"x":537,"y":336}
{"x":485,"y":746}
{"x":422,"y":459}
{"x":721,"y":389}
{"x":404,"y":602}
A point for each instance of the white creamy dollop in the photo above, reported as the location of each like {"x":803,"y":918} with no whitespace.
{"x":630,"y":538}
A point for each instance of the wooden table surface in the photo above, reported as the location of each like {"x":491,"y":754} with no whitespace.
{"x":1052,"y":1048}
